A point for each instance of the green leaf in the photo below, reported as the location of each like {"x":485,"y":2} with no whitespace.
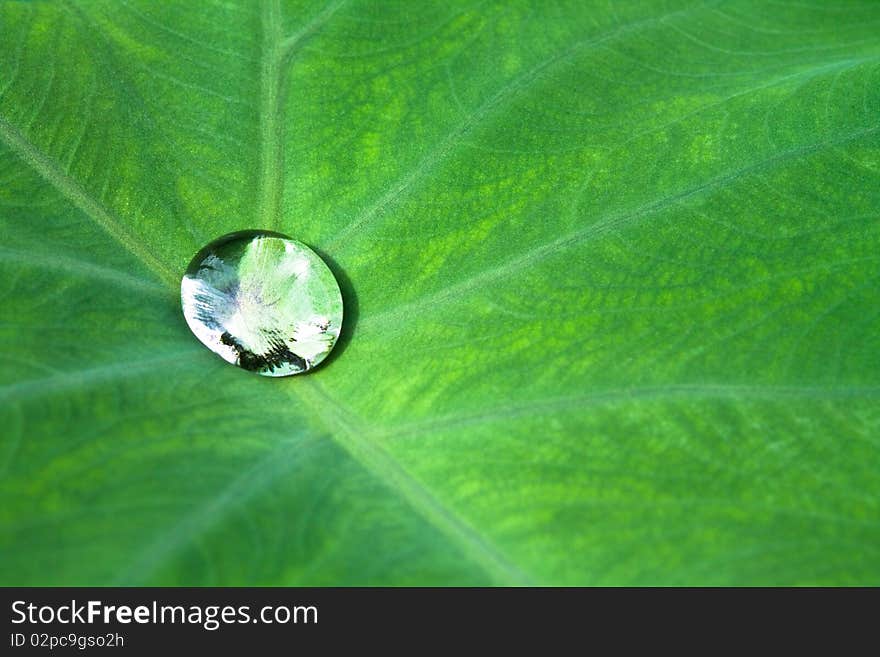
{"x":610,"y":273}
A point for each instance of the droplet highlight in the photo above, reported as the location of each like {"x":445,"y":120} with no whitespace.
{"x":263,"y":301}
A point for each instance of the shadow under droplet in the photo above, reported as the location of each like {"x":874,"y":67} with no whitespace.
{"x":350,"y":310}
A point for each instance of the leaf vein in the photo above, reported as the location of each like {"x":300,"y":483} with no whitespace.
{"x":52,"y":173}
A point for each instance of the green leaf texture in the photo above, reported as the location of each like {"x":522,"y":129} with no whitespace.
{"x":610,"y":273}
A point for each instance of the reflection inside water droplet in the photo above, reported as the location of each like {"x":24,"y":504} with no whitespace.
{"x":262,"y":301}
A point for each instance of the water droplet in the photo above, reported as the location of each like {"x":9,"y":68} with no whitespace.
{"x":262,"y":301}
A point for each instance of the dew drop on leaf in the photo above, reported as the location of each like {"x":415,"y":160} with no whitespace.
{"x":262,"y":301}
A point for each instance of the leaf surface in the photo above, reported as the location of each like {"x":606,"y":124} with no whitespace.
{"x":610,"y":273}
